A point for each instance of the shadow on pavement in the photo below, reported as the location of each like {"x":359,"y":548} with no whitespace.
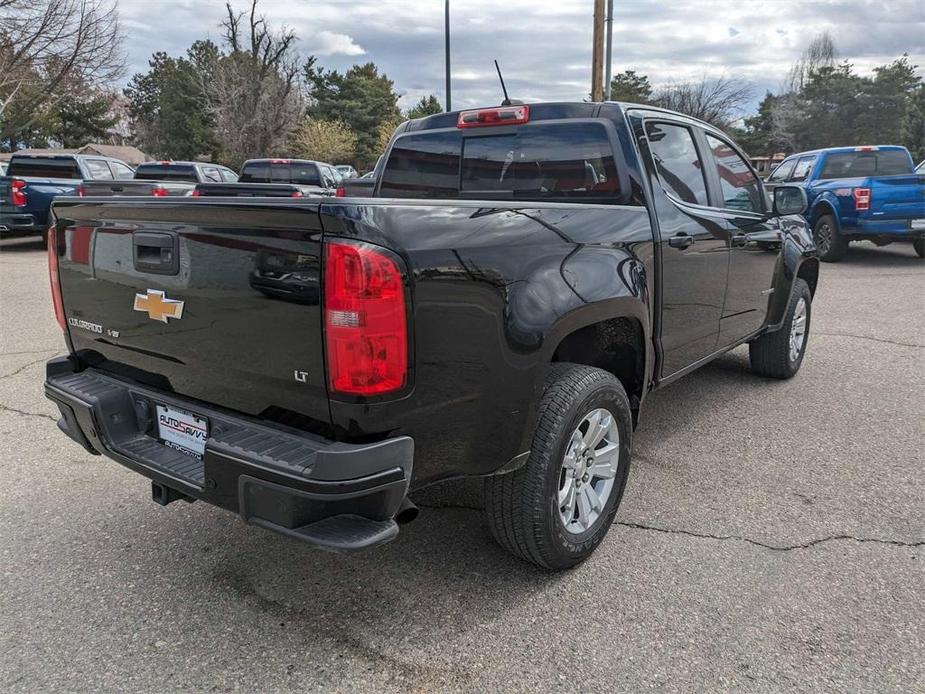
{"x":21,"y":244}
{"x":896,"y":255}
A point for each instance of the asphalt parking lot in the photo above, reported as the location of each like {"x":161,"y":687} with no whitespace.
{"x":771,"y":538}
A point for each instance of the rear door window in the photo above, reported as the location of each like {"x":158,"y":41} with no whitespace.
{"x":98,"y":170}
{"x":50,"y":167}
{"x":677,"y":162}
{"x":782,"y":172}
{"x":120,"y":171}
{"x":229,"y":176}
{"x":210,"y":174}
{"x":861,"y":164}
{"x":740,"y":187}
{"x":803,"y":168}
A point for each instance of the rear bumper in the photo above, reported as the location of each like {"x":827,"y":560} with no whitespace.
{"x":18,"y":223}
{"x":896,"y":228}
{"x":332,"y":495}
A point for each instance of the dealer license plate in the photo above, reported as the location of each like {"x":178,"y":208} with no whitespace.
{"x":182,"y":430}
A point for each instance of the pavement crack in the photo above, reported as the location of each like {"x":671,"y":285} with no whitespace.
{"x":23,"y":368}
{"x":724,"y":538}
{"x":873,"y":339}
{"x":774,"y":548}
{"x":5,"y":408}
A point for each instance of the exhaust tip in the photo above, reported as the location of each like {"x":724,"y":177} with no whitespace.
{"x":407,"y":512}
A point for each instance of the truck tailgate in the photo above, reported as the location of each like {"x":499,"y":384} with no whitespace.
{"x":215,"y":300}
{"x":898,"y":197}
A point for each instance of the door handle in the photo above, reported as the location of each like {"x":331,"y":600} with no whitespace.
{"x":738,"y":240}
{"x":681,"y":241}
{"x":156,"y":252}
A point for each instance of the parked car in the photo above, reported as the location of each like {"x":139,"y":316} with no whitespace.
{"x":311,"y":177}
{"x":347,"y":171}
{"x":32,"y":181}
{"x":858,"y":193}
{"x":529,"y":275}
{"x":163,"y":179}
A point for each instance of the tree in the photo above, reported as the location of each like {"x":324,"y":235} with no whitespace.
{"x":883,"y":101}
{"x":49,"y":51}
{"x":79,"y":121}
{"x":631,"y":87}
{"x":253,"y":92}
{"x":168,"y":107}
{"x":912,"y":133}
{"x":383,"y":136}
{"x":820,"y":53}
{"x":427,"y":106}
{"x":324,"y":140}
{"x":717,"y":101}
{"x":361,"y":97}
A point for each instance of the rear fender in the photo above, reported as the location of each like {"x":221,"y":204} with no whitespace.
{"x":825,"y":203}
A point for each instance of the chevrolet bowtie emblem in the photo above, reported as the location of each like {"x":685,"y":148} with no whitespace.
{"x":158,"y":306}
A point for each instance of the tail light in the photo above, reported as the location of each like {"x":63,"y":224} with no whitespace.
{"x":53,"y":278}
{"x":159,"y":192}
{"x":80,"y":192}
{"x":366,"y":334}
{"x":861,"y":199}
{"x":19,"y":195}
{"x":195,"y":193}
{"x":340,"y":192}
{"x":506,"y":115}
{"x":296,"y":194}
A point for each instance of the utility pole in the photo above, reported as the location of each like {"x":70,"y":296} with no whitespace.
{"x":609,"y":46}
{"x":446,"y":30}
{"x":597,"y":55}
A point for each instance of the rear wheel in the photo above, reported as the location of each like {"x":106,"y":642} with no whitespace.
{"x":555,"y":510}
{"x":919,"y":246}
{"x":779,"y":354}
{"x":831,"y":245}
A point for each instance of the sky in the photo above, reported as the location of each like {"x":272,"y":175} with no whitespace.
{"x":544,"y":46}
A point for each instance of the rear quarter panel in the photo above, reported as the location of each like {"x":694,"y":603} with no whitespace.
{"x":494,"y":290}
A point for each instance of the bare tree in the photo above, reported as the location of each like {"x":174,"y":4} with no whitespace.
{"x":49,"y":48}
{"x":718,"y":101}
{"x":820,"y":53}
{"x":253,"y":93}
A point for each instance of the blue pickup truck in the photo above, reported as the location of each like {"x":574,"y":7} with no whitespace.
{"x":32,"y":181}
{"x":858,"y":193}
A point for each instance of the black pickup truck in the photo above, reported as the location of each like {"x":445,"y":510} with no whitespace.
{"x":522,"y":278}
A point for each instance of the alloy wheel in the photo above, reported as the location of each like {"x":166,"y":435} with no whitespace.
{"x":589,"y":467}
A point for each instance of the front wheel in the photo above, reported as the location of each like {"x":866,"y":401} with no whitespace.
{"x":555,"y":510}
{"x":832,"y":246}
{"x":779,"y":354}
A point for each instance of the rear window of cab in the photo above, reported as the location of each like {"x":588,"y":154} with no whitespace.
{"x":564,"y":161}
{"x":863,"y":163}
{"x":47,"y":167}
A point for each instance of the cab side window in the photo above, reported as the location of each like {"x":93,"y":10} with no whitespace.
{"x":677,"y":162}
{"x":99,"y":170}
{"x":740,"y":187}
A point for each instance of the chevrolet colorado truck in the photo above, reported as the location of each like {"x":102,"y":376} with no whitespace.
{"x":163,"y":179}
{"x":32,"y":181}
{"x":858,"y":193}
{"x":500,"y":308}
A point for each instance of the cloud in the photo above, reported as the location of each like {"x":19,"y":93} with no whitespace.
{"x":332,"y":43}
{"x":544,"y":48}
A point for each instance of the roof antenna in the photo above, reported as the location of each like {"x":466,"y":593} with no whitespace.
{"x":506,"y":102}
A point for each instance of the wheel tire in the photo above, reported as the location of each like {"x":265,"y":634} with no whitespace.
{"x":919,"y":246}
{"x":522,"y":506}
{"x":770,"y":355}
{"x":831,"y":245}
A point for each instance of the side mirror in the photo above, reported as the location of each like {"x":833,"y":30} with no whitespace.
{"x":789,"y":200}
